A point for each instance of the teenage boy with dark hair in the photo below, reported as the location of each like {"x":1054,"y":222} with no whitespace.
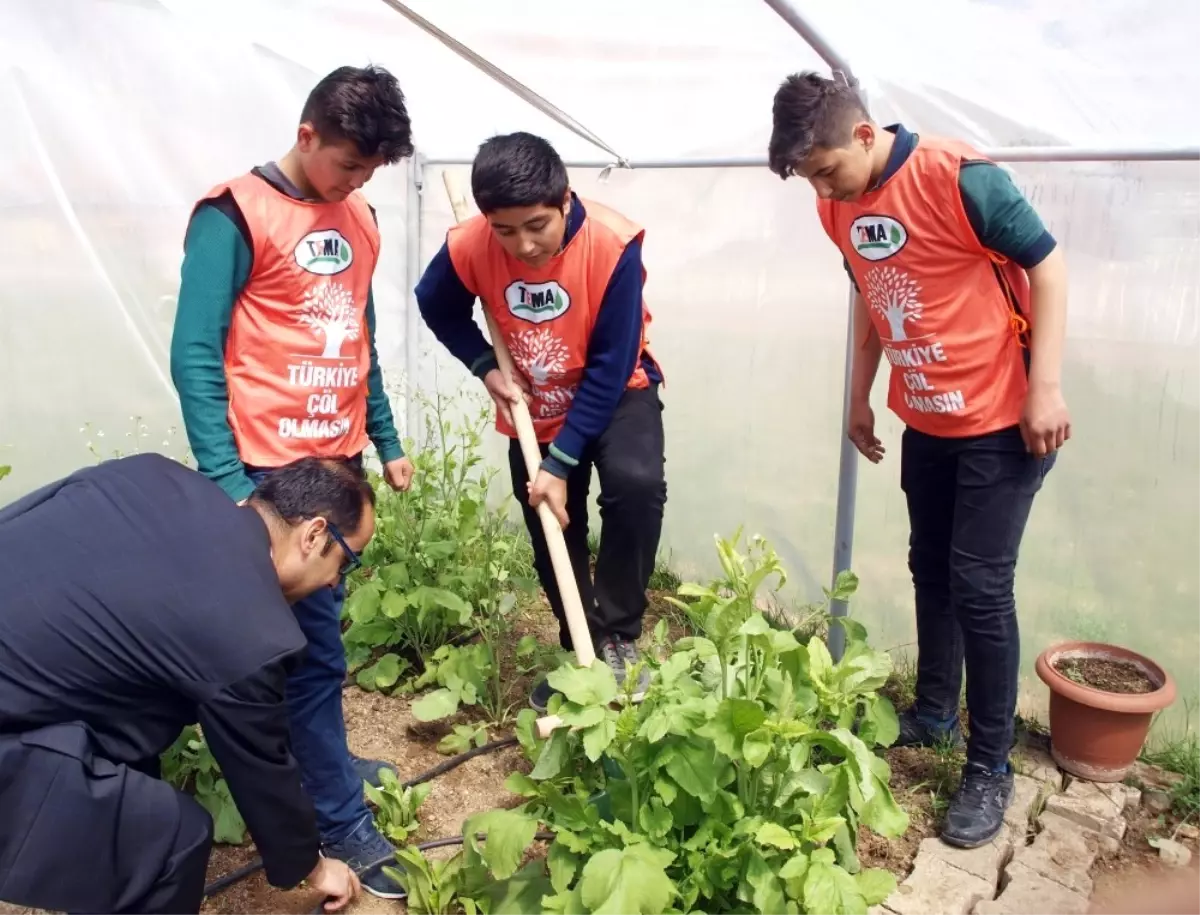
{"x":563,"y":281}
{"x":961,"y":286}
{"x":274,"y":358}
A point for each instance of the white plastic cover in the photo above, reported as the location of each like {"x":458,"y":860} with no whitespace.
{"x":118,"y":114}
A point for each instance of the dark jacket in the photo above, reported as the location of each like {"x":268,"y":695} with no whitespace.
{"x":137,"y":598}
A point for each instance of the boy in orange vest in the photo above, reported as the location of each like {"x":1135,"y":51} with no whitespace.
{"x":563,"y":278}
{"x":953,"y":269}
{"x":273,"y":355}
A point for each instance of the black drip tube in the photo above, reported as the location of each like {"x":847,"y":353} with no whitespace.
{"x":228,"y":880}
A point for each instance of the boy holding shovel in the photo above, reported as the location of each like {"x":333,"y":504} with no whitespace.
{"x":562,"y":279}
{"x":962,"y":288}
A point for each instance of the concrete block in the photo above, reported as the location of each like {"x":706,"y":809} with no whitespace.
{"x":1084,"y":803}
{"x":1124,"y":797}
{"x":1029,"y":893}
{"x":1026,"y":791}
{"x":1038,"y":765}
{"x":935,"y":886}
{"x":984,"y":862}
{"x":1062,"y":853}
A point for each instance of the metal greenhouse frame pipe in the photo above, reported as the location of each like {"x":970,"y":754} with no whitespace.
{"x":412,"y":275}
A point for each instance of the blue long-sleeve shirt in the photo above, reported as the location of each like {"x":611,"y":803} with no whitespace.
{"x":614,"y":348}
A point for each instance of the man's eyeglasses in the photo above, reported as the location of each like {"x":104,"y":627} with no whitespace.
{"x":353,"y":561}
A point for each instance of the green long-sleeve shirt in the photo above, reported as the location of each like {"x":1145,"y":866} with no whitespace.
{"x":217,"y":264}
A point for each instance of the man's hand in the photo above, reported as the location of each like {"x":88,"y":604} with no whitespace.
{"x":1045,"y":422}
{"x":398,"y":474}
{"x":335,"y":880}
{"x":505,"y":396}
{"x":861,"y":430}
{"x":552,"y":490}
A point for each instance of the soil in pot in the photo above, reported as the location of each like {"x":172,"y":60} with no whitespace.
{"x":1107,"y":674}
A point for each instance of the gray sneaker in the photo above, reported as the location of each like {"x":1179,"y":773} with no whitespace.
{"x":617,"y":654}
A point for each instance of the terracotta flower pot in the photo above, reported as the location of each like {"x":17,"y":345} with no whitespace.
{"x":1096,"y":734}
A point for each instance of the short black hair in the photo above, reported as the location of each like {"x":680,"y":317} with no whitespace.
{"x":517,"y":170}
{"x":316,"y":488}
{"x":365,"y":106}
{"x":810,"y":111}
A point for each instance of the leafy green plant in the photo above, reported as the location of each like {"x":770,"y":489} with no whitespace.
{"x":189,"y":765}
{"x":738,"y":784}
{"x":396,"y":805}
{"x":442,"y":565}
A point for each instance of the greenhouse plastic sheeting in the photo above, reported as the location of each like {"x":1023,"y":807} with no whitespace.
{"x":119,"y":114}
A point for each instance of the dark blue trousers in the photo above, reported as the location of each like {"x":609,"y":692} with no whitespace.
{"x":968,"y":502}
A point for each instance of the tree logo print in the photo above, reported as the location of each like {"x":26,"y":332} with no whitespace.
{"x":540,"y":355}
{"x":329,"y":311}
{"x":895,"y":295}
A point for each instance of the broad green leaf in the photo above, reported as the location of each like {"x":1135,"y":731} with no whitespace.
{"x":395,"y":575}
{"x":793,"y":873}
{"x":829,"y":889}
{"x":383,"y":674}
{"x":820,"y":664}
{"x":875,"y":885}
{"x":394,"y":605}
{"x":703,"y":648}
{"x":518,"y":895}
{"x":527,"y":645}
{"x":553,"y":756}
{"x":694,"y":770}
{"x":593,"y":685}
{"x":760,"y":885}
{"x":441,"y":703}
{"x":508,"y":832}
{"x":438,"y":549}
{"x":843,"y":845}
{"x":228,"y":826}
{"x":563,"y":864}
{"x":735,"y":719}
{"x":881,"y":813}
{"x":855,"y":631}
{"x":655,"y":819}
{"x":363,"y":605}
{"x":844,"y":586}
{"x":578,"y":717}
{"x":776,"y":836}
{"x":757,"y":747}
{"x":879,"y":716}
{"x":666,"y":790}
{"x":755,"y":625}
{"x":629,"y":881}
{"x":598,"y":737}
{"x":565,"y":903}
{"x":691,"y":589}
{"x":820,"y":830}
{"x":521,"y":784}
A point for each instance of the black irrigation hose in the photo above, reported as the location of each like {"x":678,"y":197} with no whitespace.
{"x":426,"y":846}
{"x":222,"y":883}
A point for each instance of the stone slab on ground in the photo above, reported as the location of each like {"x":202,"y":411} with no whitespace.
{"x":984,"y":862}
{"x":1062,"y":852}
{"x":1029,"y":893}
{"x":1085,"y":803}
{"x":1039,"y":765}
{"x":1026,"y":791}
{"x":935,"y":886}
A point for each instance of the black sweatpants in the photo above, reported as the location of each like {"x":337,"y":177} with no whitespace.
{"x":968,"y":502}
{"x":79,"y":833}
{"x":629,"y":458}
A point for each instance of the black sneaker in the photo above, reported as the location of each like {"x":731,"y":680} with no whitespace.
{"x":367,"y":852}
{"x":916,"y":733}
{"x":367,"y":770}
{"x":539,"y":698}
{"x":976,"y":813}
{"x":617,"y":654}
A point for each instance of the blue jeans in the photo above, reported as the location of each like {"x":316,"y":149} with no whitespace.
{"x":968,"y":502}
{"x":318,"y":728}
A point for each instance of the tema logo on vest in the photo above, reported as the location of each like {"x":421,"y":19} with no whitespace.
{"x":537,"y":302}
{"x":324,"y":253}
{"x":877,"y":238}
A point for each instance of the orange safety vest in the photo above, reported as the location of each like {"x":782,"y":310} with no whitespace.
{"x":298,"y":353}
{"x":948,"y":311}
{"x":546,"y":315}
